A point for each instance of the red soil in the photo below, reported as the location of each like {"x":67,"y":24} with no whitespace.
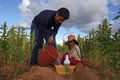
{"x":49,"y":73}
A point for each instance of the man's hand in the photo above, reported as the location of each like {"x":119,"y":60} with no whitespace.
{"x":40,"y":50}
{"x":51,"y":39}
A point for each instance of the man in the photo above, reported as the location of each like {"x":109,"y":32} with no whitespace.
{"x":46,"y":25}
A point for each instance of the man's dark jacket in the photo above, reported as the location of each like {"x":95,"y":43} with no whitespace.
{"x":45,"y":23}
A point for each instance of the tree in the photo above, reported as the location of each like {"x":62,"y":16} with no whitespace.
{"x":116,"y":37}
{"x":81,"y":44}
{"x":103,"y":35}
{"x":118,"y":16}
{"x":4,"y":30}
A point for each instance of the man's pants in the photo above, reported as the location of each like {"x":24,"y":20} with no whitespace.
{"x":35,"y":51}
{"x":37,"y":47}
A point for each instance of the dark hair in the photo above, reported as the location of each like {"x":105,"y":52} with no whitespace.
{"x":64,"y":12}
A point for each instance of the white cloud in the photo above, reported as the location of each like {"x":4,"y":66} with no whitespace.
{"x":24,"y":24}
{"x":115,"y":26}
{"x":84,"y":13}
{"x":115,"y":2}
{"x":60,"y":42}
{"x":24,"y":8}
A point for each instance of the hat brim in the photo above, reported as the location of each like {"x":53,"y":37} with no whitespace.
{"x":72,"y":40}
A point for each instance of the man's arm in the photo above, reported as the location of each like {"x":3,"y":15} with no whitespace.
{"x":53,"y":33}
{"x":55,"y":30}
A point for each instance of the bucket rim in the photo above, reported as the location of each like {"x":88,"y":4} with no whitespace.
{"x":50,"y":53}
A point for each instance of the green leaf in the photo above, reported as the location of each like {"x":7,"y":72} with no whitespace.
{"x":116,"y":17}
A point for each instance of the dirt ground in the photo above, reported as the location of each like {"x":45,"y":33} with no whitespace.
{"x":49,"y":73}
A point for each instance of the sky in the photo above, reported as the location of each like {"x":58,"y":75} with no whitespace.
{"x":84,"y":14}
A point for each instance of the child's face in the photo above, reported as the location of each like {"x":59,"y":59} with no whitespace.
{"x":70,"y":44}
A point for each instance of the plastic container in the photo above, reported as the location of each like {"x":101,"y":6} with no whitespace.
{"x":64,"y":69}
{"x":47,"y":56}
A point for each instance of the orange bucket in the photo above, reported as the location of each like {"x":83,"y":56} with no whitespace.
{"x":47,"y":56}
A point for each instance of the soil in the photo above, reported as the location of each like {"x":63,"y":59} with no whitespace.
{"x":49,"y":73}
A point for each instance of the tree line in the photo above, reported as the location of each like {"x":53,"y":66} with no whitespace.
{"x":100,"y":45}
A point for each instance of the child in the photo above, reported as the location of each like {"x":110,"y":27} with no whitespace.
{"x":73,"y":51}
